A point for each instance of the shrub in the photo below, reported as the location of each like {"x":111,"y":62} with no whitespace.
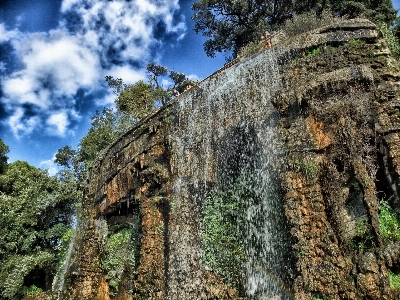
{"x":388,"y":222}
{"x":313,"y":52}
{"x":20,"y":266}
{"x":394,"y":280}
{"x":120,"y":256}
{"x":32,"y":290}
{"x":304,"y":22}
{"x":364,"y":237}
{"x":250,"y":49}
{"x":390,"y":38}
{"x":222,"y":230}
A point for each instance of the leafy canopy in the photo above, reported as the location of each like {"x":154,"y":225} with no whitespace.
{"x":36,"y":211}
{"x":232,"y":24}
{"x":3,"y":157}
{"x":133,"y":102}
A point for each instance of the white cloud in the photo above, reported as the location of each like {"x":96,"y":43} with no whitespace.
{"x":59,"y":58}
{"x":20,"y":125}
{"x":128,"y":74}
{"x":50,"y":166}
{"x":110,"y":39}
{"x":126,"y":27}
{"x":166,"y":83}
{"x":67,"y":5}
{"x":6,"y":35}
{"x":193,"y":77}
{"x":58,"y":124}
{"x":107,"y":100}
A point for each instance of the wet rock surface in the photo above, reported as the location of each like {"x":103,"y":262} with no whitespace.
{"x":323,"y":125}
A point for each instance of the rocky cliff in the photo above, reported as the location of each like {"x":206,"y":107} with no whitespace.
{"x":261,"y":182}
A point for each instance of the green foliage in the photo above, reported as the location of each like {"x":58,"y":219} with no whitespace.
{"x":222,"y":230}
{"x":373,"y":10}
{"x":356,"y":185}
{"x":177,"y":78}
{"x":133,"y":102}
{"x":364,"y":237}
{"x":16,"y":268}
{"x":32,"y":290}
{"x":376,"y":11}
{"x":300,"y":253}
{"x":106,"y":127}
{"x":394,"y":280}
{"x":36,"y":211}
{"x":141,"y":98}
{"x":64,"y":157}
{"x":355,"y":43}
{"x":313,"y":52}
{"x":307,"y":167}
{"x":66,"y":239}
{"x":389,"y":222}
{"x":361,"y":227}
{"x":137,"y":99}
{"x":121,"y":255}
{"x":232,"y":24}
{"x":156,"y":71}
{"x":3,"y":156}
{"x":307,"y":21}
{"x":250,"y":49}
{"x":390,"y":38}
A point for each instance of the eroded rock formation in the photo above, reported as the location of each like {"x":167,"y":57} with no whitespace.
{"x":315,"y":122}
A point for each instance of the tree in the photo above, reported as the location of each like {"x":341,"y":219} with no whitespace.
{"x":64,"y":157}
{"x":155,"y":71}
{"x":36,"y":211}
{"x":3,"y":157}
{"x":141,"y":98}
{"x":105,"y":128}
{"x":377,"y":11}
{"x":133,"y":102}
{"x":137,"y":99}
{"x":177,"y":78}
{"x":232,"y":24}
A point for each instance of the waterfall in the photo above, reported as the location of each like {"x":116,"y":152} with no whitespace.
{"x":266,"y":234}
{"x":58,"y":281}
{"x":226,"y":146}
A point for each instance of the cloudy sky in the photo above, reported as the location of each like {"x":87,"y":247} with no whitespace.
{"x":54,"y":55}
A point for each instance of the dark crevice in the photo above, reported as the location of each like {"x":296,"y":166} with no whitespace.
{"x":164,"y":207}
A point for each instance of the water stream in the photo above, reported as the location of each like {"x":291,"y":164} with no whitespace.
{"x":226,"y":138}
{"x":58,"y":281}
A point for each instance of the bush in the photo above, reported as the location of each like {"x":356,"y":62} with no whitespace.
{"x":394,"y":280}
{"x":388,"y":222}
{"x":391,"y":40}
{"x":17,"y":268}
{"x":32,"y":290}
{"x":301,"y":23}
{"x":250,"y":49}
{"x":222,"y":230}
{"x":119,"y":258}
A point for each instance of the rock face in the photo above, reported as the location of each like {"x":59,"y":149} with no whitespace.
{"x":262,"y":182}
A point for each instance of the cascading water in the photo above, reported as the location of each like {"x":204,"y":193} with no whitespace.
{"x":266,"y":235}
{"x":58,"y":281}
{"x":226,"y":140}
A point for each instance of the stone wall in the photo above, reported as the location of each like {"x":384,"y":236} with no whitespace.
{"x":325,"y":124}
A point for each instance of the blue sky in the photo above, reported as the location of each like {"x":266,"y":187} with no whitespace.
{"x":54,"y":55}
